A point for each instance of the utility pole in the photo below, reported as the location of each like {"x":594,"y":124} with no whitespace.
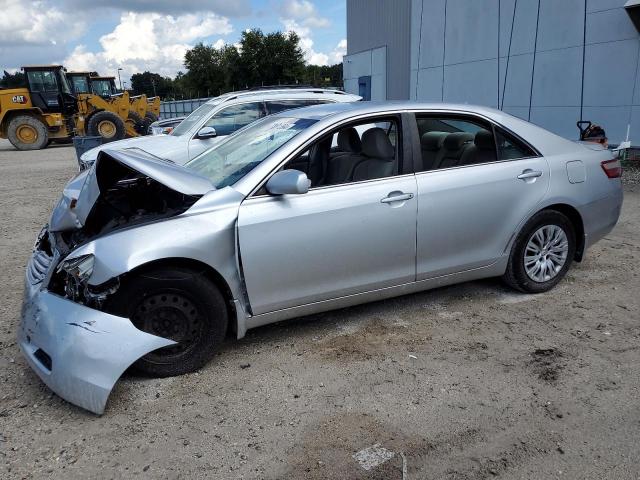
{"x":119,"y":80}
{"x":153,"y":82}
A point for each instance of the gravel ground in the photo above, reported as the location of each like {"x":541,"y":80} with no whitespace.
{"x":464,"y":382}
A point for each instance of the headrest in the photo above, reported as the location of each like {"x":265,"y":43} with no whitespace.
{"x":349,"y":140}
{"x":455,"y":141}
{"x":375,"y":143}
{"x":432,"y":140}
{"x":484,"y":140}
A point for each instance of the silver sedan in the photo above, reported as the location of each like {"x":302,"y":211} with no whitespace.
{"x":148,"y":263}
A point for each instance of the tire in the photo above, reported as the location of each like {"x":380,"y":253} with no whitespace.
{"x":550,"y":253}
{"x":136,"y":121}
{"x":107,"y":125}
{"x":177,"y":303}
{"x":26,"y":132}
{"x":149,"y":118}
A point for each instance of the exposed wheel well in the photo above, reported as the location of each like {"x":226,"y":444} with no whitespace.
{"x":213,"y":275}
{"x":576,"y":220}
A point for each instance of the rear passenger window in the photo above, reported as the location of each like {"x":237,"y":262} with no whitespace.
{"x":447,"y":142}
{"x":510,"y":148}
{"x":354,"y":153}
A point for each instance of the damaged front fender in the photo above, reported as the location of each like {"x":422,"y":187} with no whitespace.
{"x":79,"y":352}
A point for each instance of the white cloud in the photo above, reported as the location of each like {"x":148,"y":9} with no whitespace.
{"x":36,"y":23}
{"x":303,"y":12}
{"x":149,"y":41}
{"x":235,"y":8}
{"x":311,"y":56}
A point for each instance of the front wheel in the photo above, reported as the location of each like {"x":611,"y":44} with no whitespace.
{"x":107,"y":125}
{"x":176,"y":303}
{"x":542,"y":253}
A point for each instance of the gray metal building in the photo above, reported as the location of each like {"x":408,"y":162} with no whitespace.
{"x":552,"y":62}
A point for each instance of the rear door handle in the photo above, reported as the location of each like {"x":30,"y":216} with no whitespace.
{"x":529,"y":174}
{"x":397,"y":197}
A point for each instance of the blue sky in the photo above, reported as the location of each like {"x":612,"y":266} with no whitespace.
{"x":139,"y":35}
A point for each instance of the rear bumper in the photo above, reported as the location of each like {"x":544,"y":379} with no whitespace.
{"x":79,"y":352}
{"x":601,"y":216}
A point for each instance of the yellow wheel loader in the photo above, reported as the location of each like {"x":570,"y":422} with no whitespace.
{"x":97,"y":94}
{"x":42,"y":112}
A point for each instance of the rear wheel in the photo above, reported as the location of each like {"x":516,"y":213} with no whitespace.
{"x":176,"y":303}
{"x":107,"y":125}
{"x":542,"y":253}
{"x":26,"y":132}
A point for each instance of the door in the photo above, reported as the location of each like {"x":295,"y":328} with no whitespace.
{"x":472,"y":196}
{"x":226,"y":121}
{"x":354,"y":235}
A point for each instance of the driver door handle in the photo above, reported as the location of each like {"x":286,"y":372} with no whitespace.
{"x":397,"y":197}
{"x":529,"y":174}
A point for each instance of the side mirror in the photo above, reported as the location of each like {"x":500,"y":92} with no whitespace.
{"x":288,"y":182}
{"x":206,"y":132}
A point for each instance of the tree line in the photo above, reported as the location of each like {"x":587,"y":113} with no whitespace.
{"x":259,"y":59}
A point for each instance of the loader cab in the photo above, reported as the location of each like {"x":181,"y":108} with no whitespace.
{"x":49,"y":89}
{"x":104,"y":86}
{"x":80,"y":82}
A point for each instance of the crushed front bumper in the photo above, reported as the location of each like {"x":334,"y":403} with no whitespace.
{"x":77,"y":351}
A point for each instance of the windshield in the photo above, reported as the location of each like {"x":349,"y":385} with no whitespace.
{"x":194,"y":117}
{"x":229,"y":161}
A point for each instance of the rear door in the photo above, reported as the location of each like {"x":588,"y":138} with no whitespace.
{"x":472,"y":193}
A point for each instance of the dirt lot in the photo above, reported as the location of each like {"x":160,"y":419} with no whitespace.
{"x":465,"y":382}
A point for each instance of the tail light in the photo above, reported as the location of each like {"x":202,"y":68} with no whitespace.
{"x":612,"y":168}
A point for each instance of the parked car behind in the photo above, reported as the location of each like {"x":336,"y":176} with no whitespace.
{"x":148,"y":263}
{"x":219,"y":117}
{"x":165,"y":126}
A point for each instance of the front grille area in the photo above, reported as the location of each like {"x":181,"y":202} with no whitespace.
{"x":38,"y":267}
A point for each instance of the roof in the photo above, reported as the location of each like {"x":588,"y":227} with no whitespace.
{"x":289,"y":92}
{"x":41,"y":67}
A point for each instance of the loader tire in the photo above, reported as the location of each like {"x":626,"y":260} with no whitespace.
{"x":26,"y":132}
{"x":107,"y":125}
{"x":136,"y":121}
{"x":149,"y":118}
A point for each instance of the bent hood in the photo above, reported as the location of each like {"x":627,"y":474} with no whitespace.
{"x":170,"y":147}
{"x":130,"y":182}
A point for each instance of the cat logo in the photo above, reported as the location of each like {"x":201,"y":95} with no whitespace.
{"x":19,"y":99}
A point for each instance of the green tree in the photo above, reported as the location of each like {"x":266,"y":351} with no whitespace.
{"x":151,"y":84}
{"x":15,"y":80}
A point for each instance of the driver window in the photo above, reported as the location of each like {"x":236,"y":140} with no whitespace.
{"x":234,"y":117}
{"x":354,"y":153}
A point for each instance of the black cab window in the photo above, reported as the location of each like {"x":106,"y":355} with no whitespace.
{"x":42,"y":81}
